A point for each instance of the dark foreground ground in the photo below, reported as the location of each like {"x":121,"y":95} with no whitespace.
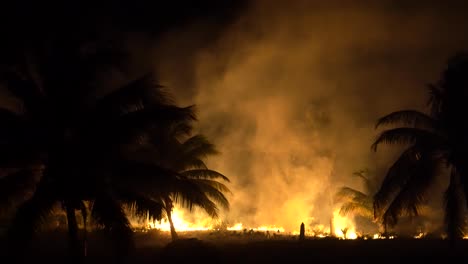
{"x":151,"y":248}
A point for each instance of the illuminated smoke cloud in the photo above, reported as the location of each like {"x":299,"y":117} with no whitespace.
{"x":290,"y":95}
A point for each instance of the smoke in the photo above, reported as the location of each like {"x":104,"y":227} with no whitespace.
{"x":290,"y":95}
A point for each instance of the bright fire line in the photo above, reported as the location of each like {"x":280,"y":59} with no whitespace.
{"x":343,"y":227}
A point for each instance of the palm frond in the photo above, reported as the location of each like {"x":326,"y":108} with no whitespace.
{"x":363,"y":174}
{"x":370,"y":184}
{"x":134,"y":96}
{"x":199,"y":146}
{"x":455,"y":213}
{"x":350,"y":194}
{"x":15,"y":186}
{"x":211,"y":183}
{"x":407,"y":135}
{"x":204,"y":174}
{"x":32,"y":214}
{"x":215,"y":191}
{"x":133,"y":125}
{"x":189,"y":194}
{"x":397,"y":176}
{"x":143,"y":177}
{"x":362,"y":209}
{"x":108,"y":213}
{"x":194,"y":150}
{"x":411,"y":118}
{"x":197,"y":164}
{"x":144,"y":206}
{"x":411,"y":194}
{"x":180,"y":128}
{"x":406,"y":202}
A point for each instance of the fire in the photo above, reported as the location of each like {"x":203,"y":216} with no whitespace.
{"x":202,"y":223}
{"x":343,"y":227}
{"x":420,"y":235}
{"x":180,"y":224}
{"x":236,"y":227}
{"x":239,"y":227}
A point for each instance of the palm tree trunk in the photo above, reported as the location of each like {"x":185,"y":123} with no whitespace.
{"x":332,"y":227}
{"x":173,"y":231}
{"x":168,"y":206}
{"x":455,"y":209}
{"x":84,"y":214}
{"x":85,"y":238}
{"x":74,"y":247}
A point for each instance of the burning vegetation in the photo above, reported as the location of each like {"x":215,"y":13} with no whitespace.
{"x":91,"y":142}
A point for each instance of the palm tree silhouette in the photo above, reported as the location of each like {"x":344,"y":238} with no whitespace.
{"x":63,"y":150}
{"x":357,"y":202}
{"x":197,"y":185}
{"x":438,"y":144}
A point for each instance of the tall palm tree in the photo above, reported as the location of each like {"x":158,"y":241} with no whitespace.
{"x":197,"y":185}
{"x":437,"y":145}
{"x":201,"y":186}
{"x":65,"y":150}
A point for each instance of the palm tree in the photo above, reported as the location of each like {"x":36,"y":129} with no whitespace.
{"x":357,"y":202}
{"x":437,"y":145}
{"x":197,"y":185}
{"x":63,"y":146}
{"x":64,"y":150}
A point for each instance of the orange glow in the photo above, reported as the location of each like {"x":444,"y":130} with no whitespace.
{"x":180,"y":224}
{"x":343,"y":226}
{"x":239,"y":227}
{"x":420,"y":235}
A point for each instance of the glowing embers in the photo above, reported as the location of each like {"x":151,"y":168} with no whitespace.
{"x":379,"y":236}
{"x":184,"y":221}
{"x":203,"y":223}
{"x":419,"y":236}
{"x":239,"y":227}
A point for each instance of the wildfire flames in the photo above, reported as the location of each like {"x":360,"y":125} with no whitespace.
{"x":342,"y":227}
{"x":204,"y":224}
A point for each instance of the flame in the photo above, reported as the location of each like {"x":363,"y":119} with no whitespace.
{"x":240,"y":227}
{"x":180,"y":224}
{"x":343,"y":227}
{"x":202,"y":223}
{"x":236,"y":227}
{"x":420,"y":235}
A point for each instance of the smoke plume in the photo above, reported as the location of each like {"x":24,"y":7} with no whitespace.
{"x":290,"y":94}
